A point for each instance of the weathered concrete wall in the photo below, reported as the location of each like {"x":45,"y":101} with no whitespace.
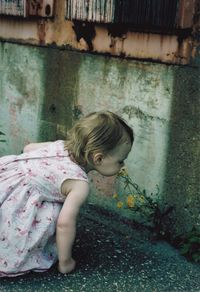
{"x":182,"y":174}
{"x":37,"y":87}
{"x":43,"y":90}
{"x":21,"y":91}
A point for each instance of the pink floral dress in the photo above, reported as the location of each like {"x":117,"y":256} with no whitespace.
{"x":30,"y":202}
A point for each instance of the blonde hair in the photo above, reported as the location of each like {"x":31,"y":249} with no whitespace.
{"x":97,"y":132}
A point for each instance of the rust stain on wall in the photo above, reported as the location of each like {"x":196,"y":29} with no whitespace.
{"x":113,"y":39}
{"x":41,"y":25}
{"x":165,"y":48}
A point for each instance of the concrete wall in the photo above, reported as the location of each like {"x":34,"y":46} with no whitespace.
{"x":43,"y":90}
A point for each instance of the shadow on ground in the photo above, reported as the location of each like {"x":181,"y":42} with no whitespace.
{"x":112,"y":257}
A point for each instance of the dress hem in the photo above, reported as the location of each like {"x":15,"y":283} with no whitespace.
{"x":2,"y":274}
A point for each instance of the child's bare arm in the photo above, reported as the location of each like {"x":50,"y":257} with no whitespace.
{"x":66,"y":224}
{"x":35,"y":146}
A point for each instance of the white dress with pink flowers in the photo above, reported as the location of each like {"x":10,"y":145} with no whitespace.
{"x":30,"y":202}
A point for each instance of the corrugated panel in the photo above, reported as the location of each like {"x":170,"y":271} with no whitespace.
{"x":13,"y":7}
{"x":148,"y":14}
{"x":91,"y":10}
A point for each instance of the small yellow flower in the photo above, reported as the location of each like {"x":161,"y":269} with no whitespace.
{"x":115,"y":196}
{"x":130,"y":201}
{"x":123,"y":172}
{"x":119,"y":204}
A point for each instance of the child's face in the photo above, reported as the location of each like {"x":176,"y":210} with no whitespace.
{"x":112,"y":163}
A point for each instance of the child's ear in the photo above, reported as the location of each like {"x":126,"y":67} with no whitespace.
{"x":97,"y":158}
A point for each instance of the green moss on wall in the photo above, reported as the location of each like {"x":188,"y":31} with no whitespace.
{"x":182,"y":187}
{"x":60,"y":92}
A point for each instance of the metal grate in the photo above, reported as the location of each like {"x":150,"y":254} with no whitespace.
{"x":91,"y":10}
{"x":146,"y":14}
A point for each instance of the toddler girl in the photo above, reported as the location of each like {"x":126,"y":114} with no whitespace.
{"x":42,"y":190}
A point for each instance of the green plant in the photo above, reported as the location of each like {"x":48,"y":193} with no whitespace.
{"x":189,"y":245}
{"x":138,"y":200}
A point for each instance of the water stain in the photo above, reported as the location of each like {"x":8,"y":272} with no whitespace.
{"x":60,"y":92}
{"x":183,"y":160}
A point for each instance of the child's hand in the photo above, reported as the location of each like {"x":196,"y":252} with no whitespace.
{"x":67,"y":266}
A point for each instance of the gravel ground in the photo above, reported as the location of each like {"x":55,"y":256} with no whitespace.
{"x":113,"y":257}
